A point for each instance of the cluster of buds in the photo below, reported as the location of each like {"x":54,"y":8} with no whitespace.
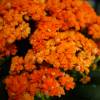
{"x":60,"y":36}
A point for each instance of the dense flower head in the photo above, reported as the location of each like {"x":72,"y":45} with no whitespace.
{"x":50,"y":81}
{"x":67,"y":50}
{"x":59,"y":36}
{"x":73,"y":13}
{"x":94,"y":29}
{"x":19,"y":64}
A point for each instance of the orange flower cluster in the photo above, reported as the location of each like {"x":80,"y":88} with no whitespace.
{"x":12,"y":24}
{"x":19,"y":63}
{"x":94,"y":29}
{"x":67,"y":50}
{"x":56,"y":31}
{"x":49,"y":81}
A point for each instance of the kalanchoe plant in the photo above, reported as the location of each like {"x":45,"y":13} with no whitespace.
{"x":51,"y":45}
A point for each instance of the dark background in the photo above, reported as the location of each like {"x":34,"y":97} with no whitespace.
{"x":96,"y":5}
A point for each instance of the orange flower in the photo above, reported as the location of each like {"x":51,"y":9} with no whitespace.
{"x":16,"y":84}
{"x":52,"y":87}
{"x":85,"y":80}
{"x":56,"y":44}
{"x":65,"y":50}
{"x":67,"y":81}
